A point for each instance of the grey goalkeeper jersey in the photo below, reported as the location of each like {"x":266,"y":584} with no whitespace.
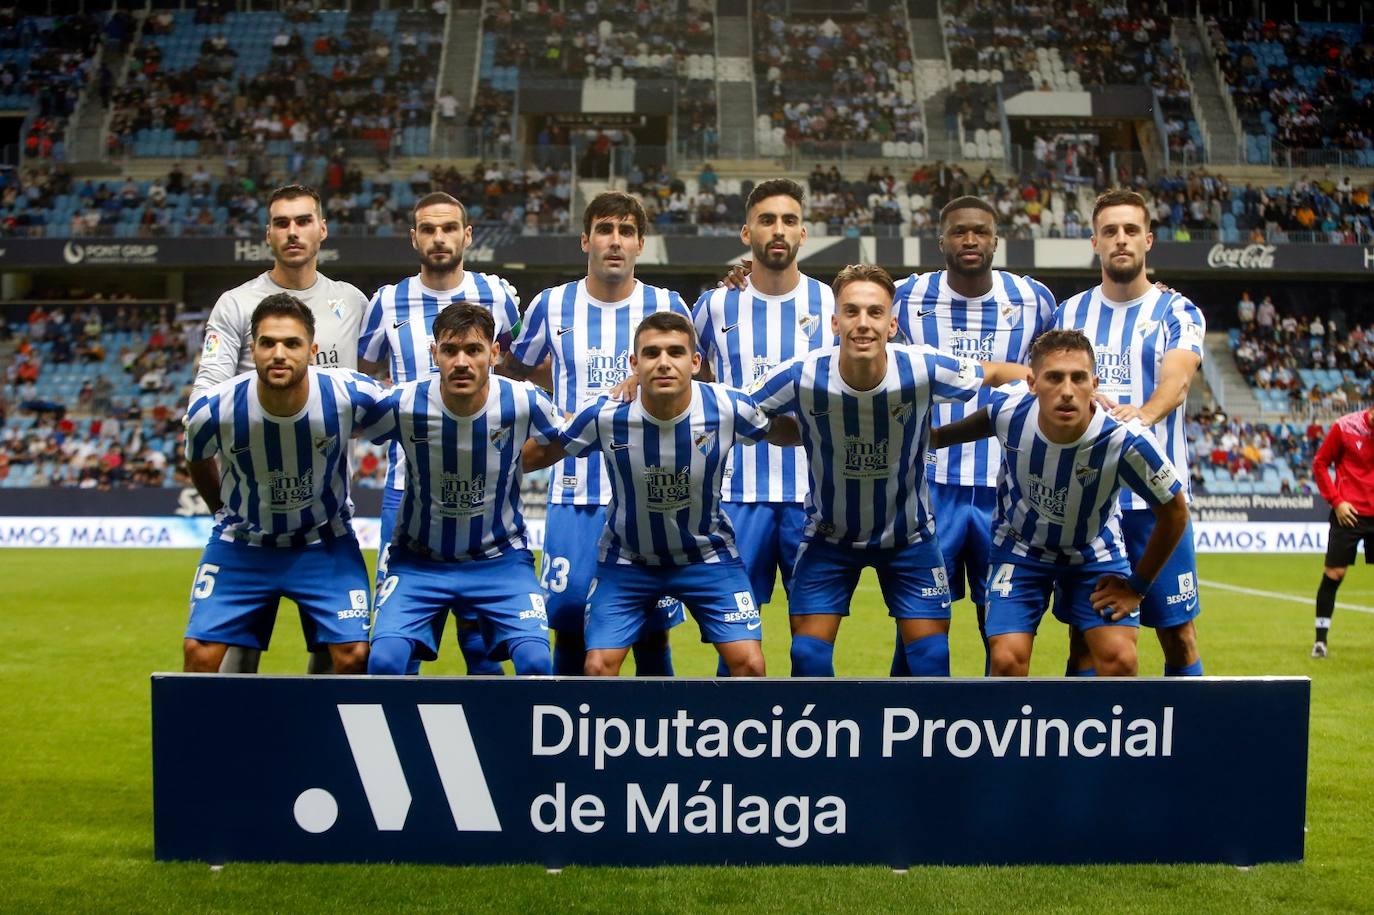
{"x":228,"y":348}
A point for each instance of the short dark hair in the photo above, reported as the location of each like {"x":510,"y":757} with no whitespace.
{"x":291,"y":192}
{"x":775,"y":187}
{"x":283,"y":305}
{"x":437,"y":197}
{"x":1121,"y":197}
{"x":966,"y":203}
{"x":864,"y":273}
{"x":615,"y":205}
{"x":460,"y":318}
{"x":668,"y":321}
{"x":1056,"y":341}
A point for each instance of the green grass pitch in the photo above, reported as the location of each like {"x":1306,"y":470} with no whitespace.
{"x":84,"y":629}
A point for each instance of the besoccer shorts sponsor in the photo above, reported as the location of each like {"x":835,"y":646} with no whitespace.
{"x":1019,"y":591}
{"x":1343,"y":543}
{"x":963,"y":525}
{"x":501,"y":594}
{"x":912,"y":578}
{"x":1173,"y":599}
{"x":572,"y":538}
{"x":767,"y":535}
{"x":391,"y":507}
{"x":237,"y":588}
{"x":716,"y":593}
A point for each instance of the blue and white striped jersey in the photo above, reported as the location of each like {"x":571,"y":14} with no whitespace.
{"x":462,"y":485}
{"x":865,"y":448}
{"x":399,"y":322}
{"x":998,"y":327}
{"x":284,"y":478}
{"x":1058,"y":503}
{"x":1130,"y":340}
{"x":666,"y":474}
{"x":743,"y":335}
{"x":590,"y":342}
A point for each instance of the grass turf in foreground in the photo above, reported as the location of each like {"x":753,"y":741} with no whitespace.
{"x":86,"y":627}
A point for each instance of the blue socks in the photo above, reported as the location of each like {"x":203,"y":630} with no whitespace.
{"x":474,"y":649}
{"x":928,"y":656}
{"x":900,"y":668}
{"x":568,"y":662}
{"x":654,"y":661}
{"x":722,"y":669}
{"x":1192,"y":670}
{"x":1069,"y":671}
{"x":390,"y":656}
{"x":530,"y":657}
{"x":812,"y":657}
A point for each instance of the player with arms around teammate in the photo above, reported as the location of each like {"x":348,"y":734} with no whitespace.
{"x":584,"y":330}
{"x":279,"y":492}
{"x":780,"y":313}
{"x":460,"y":538}
{"x":296,"y":229}
{"x":1349,"y":448}
{"x":665,"y":532}
{"x":970,"y":310}
{"x":1064,"y":463}
{"x":398,"y":333}
{"x":863,"y":409}
{"x":1148,"y":345}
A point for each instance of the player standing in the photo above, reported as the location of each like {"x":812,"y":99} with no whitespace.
{"x":1148,"y":346}
{"x":1063,"y":465}
{"x":398,"y":329}
{"x":296,"y":228}
{"x":586,"y":330}
{"x":1349,"y":448}
{"x":282,"y":511}
{"x":460,"y":539}
{"x":780,"y":313}
{"x":863,"y":408}
{"x":970,"y":310}
{"x":665,"y":533}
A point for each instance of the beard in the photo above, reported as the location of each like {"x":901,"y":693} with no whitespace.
{"x":954,"y":265}
{"x":451,"y":265}
{"x":297,"y":374}
{"x":1124,"y":273}
{"x":771,"y":260}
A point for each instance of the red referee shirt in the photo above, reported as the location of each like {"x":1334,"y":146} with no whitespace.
{"x":1349,"y":447}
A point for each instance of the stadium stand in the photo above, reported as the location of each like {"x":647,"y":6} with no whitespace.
{"x":1232,"y":456}
{"x":1305,"y":365}
{"x":1299,"y":85}
{"x":816,"y":96}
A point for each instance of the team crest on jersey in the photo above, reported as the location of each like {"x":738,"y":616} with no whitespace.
{"x":211,"y":344}
{"x":606,"y":369}
{"x":666,"y":489}
{"x":499,"y":438}
{"x":705,"y":440}
{"x":1011,"y":314}
{"x":865,"y":459}
{"x":1085,"y":475}
{"x":1146,"y":328}
{"x":460,"y":496}
{"x":325,"y":443}
{"x":901,"y":412}
{"x":808,"y":324}
{"x":337,"y":306}
{"x":1048,"y":502}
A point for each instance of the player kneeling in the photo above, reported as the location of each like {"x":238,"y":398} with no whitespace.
{"x":665,"y":532}
{"x":282,"y":511}
{"x":460,"y":537}
{"x":1064,"y":462}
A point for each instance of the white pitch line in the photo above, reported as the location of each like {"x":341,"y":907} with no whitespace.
{"x":1275,"y":595}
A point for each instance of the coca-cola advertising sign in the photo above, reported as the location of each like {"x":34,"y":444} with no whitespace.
{"x":1249,"y":257}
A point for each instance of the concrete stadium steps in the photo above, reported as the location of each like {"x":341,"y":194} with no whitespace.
{"x":1235,"y":394}
{"x":1223,"y":145}
{"x":736,"y":103}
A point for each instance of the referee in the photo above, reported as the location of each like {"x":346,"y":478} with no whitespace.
{"x":1349,"y":448}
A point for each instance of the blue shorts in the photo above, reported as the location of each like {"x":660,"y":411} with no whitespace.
{"x":963,"y":525}
{"x":912,"y":579}
{"x":717,"y":593}
{"x":1019,"y":592}
{"x":391,"y":506}
{"x":237,"y":587}
{"x":572,"y":538}
{"x":501,"y":594}
{"x":1173,"y":600}
{"x":767,"y":535}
